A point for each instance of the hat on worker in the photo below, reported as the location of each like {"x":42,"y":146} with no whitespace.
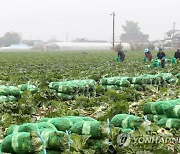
{"x":146,"y":50}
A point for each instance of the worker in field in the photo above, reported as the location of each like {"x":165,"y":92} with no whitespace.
{"x":121,"y":54}
{"x":161,"y":56}
{"x":177,"y":54}
{"x":148,"y":54}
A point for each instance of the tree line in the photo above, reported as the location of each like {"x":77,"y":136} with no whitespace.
{"x":10,"y":38}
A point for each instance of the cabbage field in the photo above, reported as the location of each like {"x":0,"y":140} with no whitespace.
{"x":82,"y":102}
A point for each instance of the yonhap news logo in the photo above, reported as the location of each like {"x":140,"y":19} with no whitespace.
{"x":124,"y":139}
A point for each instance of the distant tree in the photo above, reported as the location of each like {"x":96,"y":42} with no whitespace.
{"x":133,"y":34}
{"x":131,"y":27}
{"x":10,"y":38}
{"x":1,"y":41}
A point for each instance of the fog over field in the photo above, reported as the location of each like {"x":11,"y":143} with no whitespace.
{"x":69,"y":19}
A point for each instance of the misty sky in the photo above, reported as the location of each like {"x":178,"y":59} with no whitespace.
{"x":70,"y":19}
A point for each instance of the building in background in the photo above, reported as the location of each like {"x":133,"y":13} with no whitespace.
{"x":16,"y":47}
{"x":81,"y":46}
{"x":87,"y":40}
{"x":172,"y":39}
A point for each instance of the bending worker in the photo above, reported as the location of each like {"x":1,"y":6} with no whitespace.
{"x":121,"y":55}
{"x":148,"y":54}
{"x":161,"y":56}
{"x":177,"y":54}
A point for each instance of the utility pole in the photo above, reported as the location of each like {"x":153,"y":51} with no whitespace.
{"x":113,"y":14}
{"x":173,"y":33}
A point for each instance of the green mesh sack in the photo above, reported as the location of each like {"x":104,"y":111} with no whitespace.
{"x":79,"y":84}
{"x":62,"y":124}
{"x":173,"y":60}
{"x":126,"y":121}
{"x":46,"y":125}
{"x":54,"y":140}
{"x":172,"y":111}
{"x":11,"y":129}
{"x":67,"y":89}
{"x":65,"y":97}
{"x":138,"y":87}
{"x":68,"y":120}
{"x":19,"y":143}
{"x":169,"y":123}
{"x":71,"y":89}
{"x":48,"y":152}
{"x":11,"y":98}
{"x":136,"y":80}
{"x":125,"y":130}
{"x":88,"y":82}
{"x":92,"y":128}
{"x":156,"y":63}
{"x":164,"y":58}
{"x":123,"y":83}
{"x":155,"y":79}
{"x":109,"y":81}
{"x":71,"y":118}
{"x":29,"y":127}
{"x":54,"y":85}
{"x":114,"y":87}
{"x":155,"y":118}
{"x":117,"y":59}
{"x":14,"y":91}
{"x":23,"y":142}
{"x":83,"y":118}
{"x":151,"y":79}
{"x":85,"y":85}
{"x":117,"y":119}
{"x":75,"y":119}
{"x":3,"y":99}
{"x":166,"y":76}
{"x":145,"y":59}
{"x":112,"y":80}
{"x":158,"y":107}
{"x":178,"y":75}
{"x":4,"y":90}
{"x":147,"y":108}
{"x":173,"y":80}
{"x":31,"y":88}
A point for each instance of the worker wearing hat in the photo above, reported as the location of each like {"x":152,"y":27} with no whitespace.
{"x":161,"y":56}
{"x":148,"y":54}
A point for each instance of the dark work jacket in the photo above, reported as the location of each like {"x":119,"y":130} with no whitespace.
{"x":160,"y":55}
{"x":177,"y":55}
{"x":121,"y":55}
{"x":148,"y":55}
